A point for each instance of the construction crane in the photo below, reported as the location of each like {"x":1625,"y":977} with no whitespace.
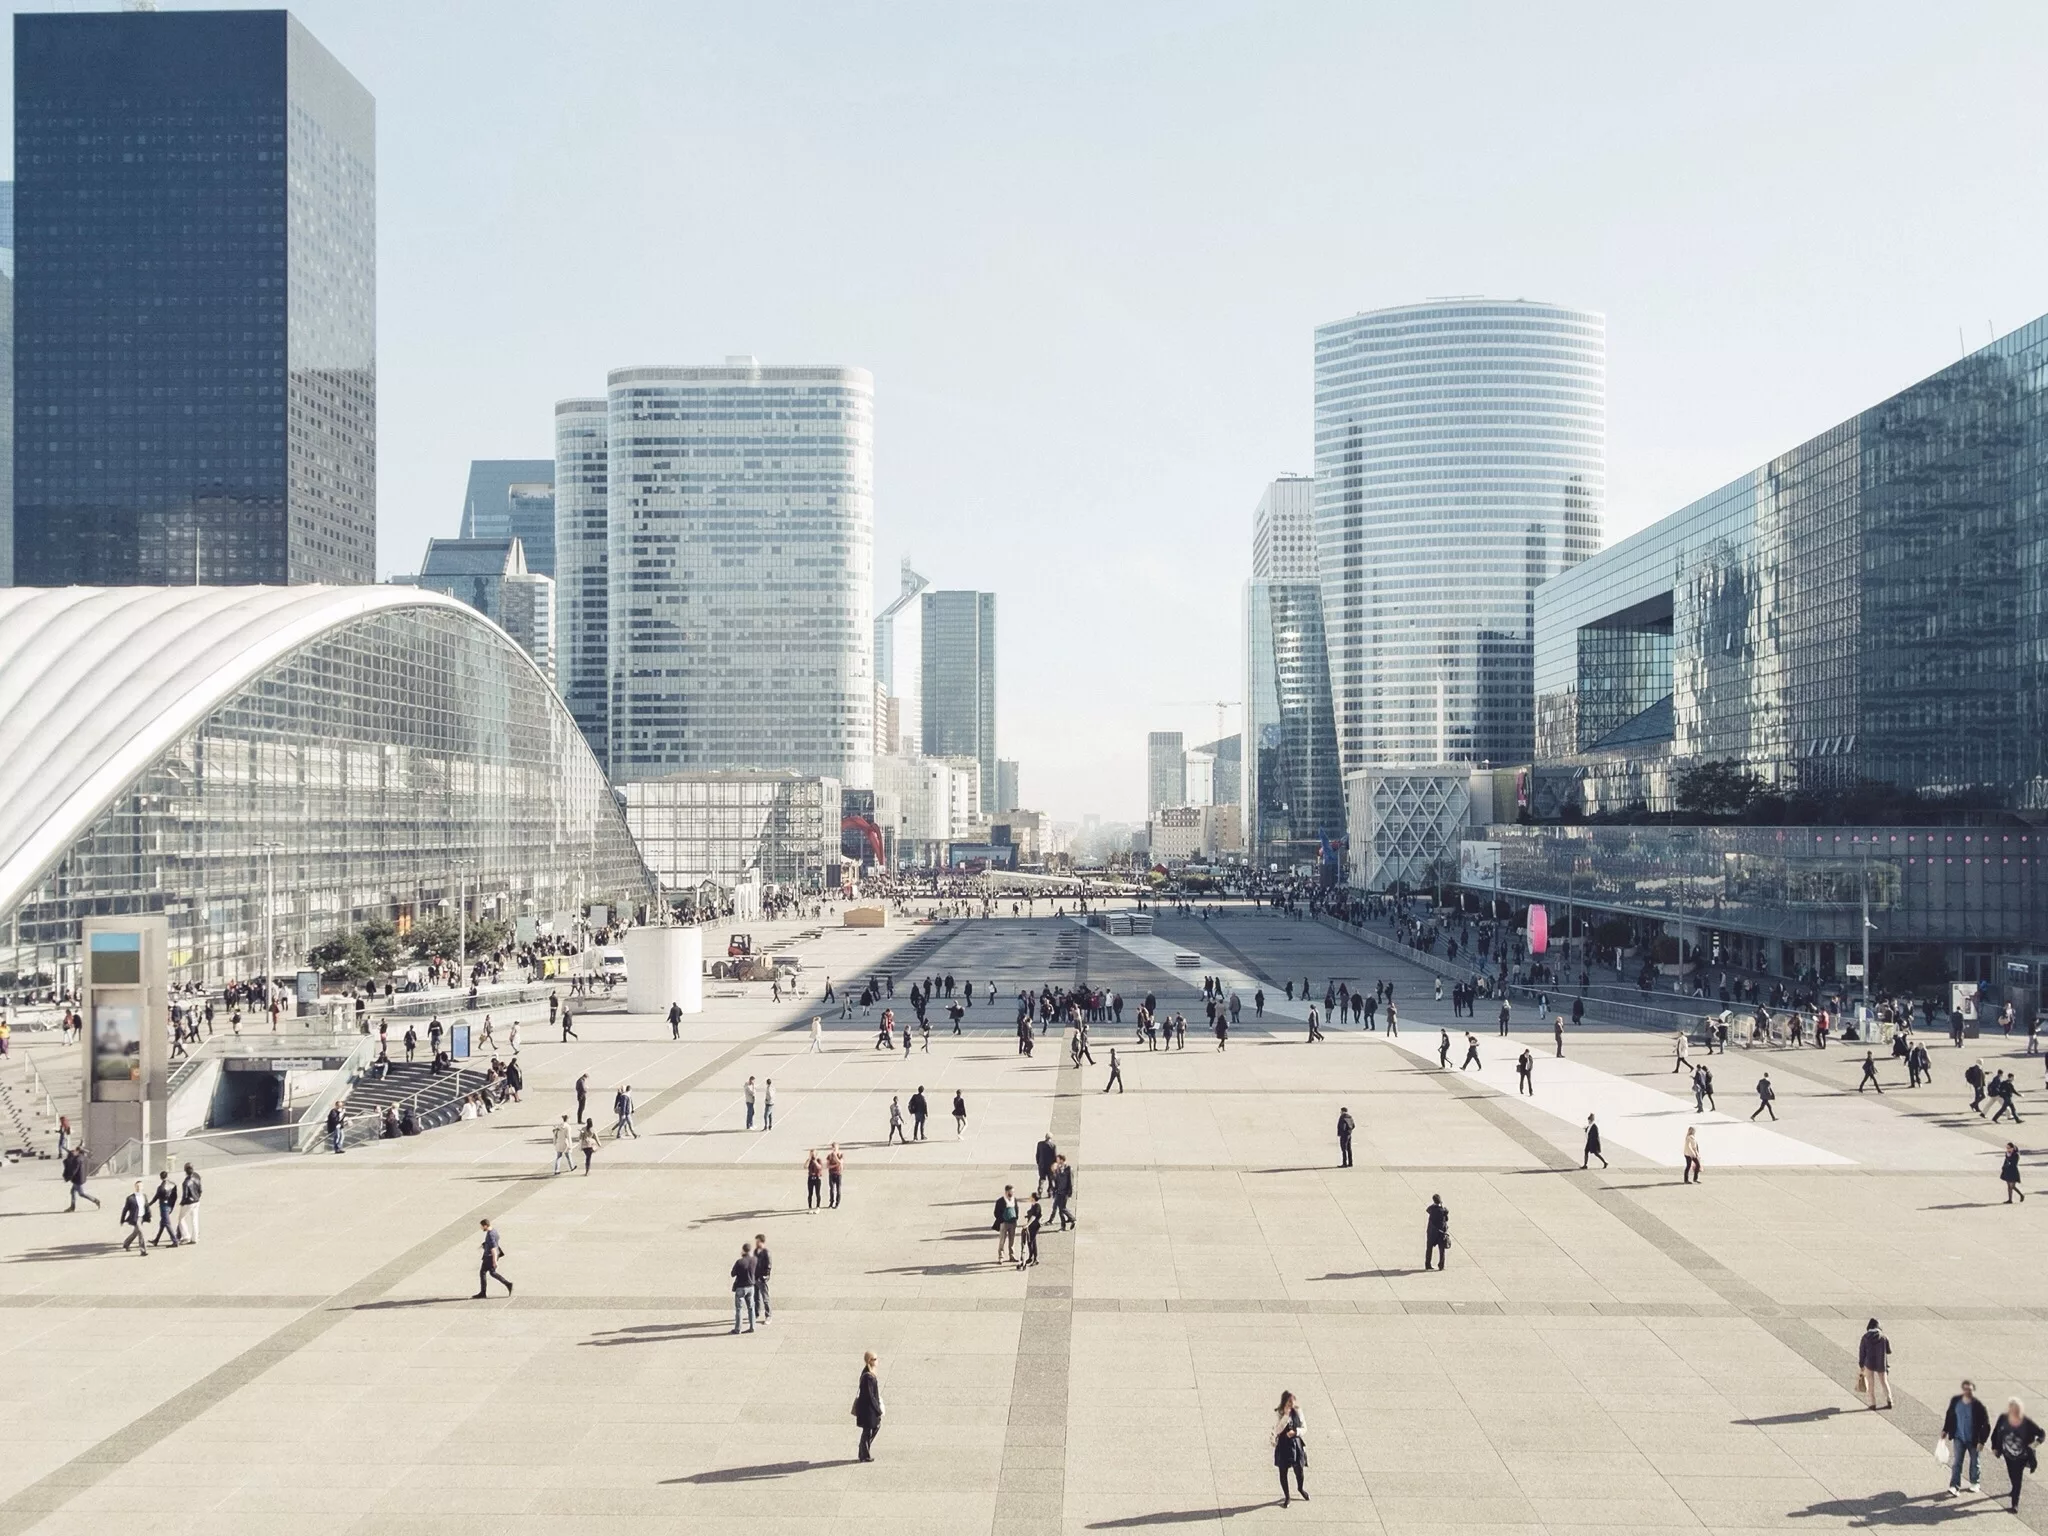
{"x":1221,"y":705}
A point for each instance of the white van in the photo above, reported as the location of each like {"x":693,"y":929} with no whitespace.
{"x":611,"y":965}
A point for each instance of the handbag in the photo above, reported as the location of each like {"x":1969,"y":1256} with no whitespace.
{"x":1862,"y":1381}
{"x":1945,"y":1451}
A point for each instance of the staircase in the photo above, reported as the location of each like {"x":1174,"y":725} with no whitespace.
{"x":436,"y":1098}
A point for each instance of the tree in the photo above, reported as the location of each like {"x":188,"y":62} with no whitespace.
{"x":380,"y":934}
{"x":345,"y":959}
{"x":434,"y":939}
{"x":1715,"y":788}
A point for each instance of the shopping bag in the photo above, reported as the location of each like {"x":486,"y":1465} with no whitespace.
{"x":1944,"y":1450}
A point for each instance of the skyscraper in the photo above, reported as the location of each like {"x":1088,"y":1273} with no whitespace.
{"x":195,"y":302}
{"x":1293,"y":791}
{"x":491,"y":576}
{"x":583,"y":568}
{"x":899,"y":657}
{"x":740,"y":563}
{"x":1166,"y":771}
{"x":1284,"y":531}
{"x":1008,"y":794}
{"x":959,"y":681}
{"x":513,"y":499}
{"x":1460,"y":463}
{"x":6,"y":383}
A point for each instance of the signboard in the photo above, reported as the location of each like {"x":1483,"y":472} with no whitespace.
{"x":283,"y":1063}
{"x":126,"y":984}
{"x":1479,"y":864}
{"x":1962,"y":998}
{"x":600,"y":915}
{"x":1853,"y":970}
{"x":308,"y":991}
{"x":458,"y":1042}
{"x":526,"y":929}
{"x":1539,"y":928}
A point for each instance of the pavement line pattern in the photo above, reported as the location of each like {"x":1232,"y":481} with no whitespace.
{"x":1917,"y":1421}
{"x":137,"y":1438}
{"x":1031,"y":1488}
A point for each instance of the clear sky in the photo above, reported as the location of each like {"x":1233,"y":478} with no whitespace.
{"x":1083,"y":247}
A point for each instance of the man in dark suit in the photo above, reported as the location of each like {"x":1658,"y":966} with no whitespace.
{"x":1436,"y":1252}
{"x":1345,"y":1125}
{"x":867,"y":1406}
{"x":1047,"y":1151}
{"x":1062,"y":1192}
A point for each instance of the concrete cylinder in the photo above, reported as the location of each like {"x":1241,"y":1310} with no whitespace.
{"x":664,"y":966}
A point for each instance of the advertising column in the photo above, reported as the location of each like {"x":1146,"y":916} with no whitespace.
{"x":125,"y":986}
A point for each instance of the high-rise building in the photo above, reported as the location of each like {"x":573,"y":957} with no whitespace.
{"x":583,"y":567}
{"x":899,"y":656}
{"x":1294,"y":787}
{"x":740,"y":559}
{"x":6,"y":383}
{"x":491,"y":576}
{"x":1008,"y":795}
{"x":1460,"y":464}
{"x":1284,"y":531}
{"x":513,"y":499}
{"x":195,"y":302}
{"x":1166,"y":771}
{"x":1226,"y":770}
{"x":959,"y":681}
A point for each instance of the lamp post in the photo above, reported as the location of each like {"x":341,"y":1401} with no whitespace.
{"x":269,"y":913}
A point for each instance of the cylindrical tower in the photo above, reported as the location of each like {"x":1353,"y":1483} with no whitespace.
{"x":582,"y":542}
{"x":1460,"y":463}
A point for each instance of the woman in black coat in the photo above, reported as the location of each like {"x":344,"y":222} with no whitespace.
{"x":867,"y":1406}
{"x":1289,"y":1448}
{"x":2009,"y":1170}
{"x":2014,"y":1437}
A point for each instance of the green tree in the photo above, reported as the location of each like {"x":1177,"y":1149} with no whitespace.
{"x":1715,"y":788}
{"x":434,"y":939}
{"x":343,"y":960}
{"x":380,"y":934}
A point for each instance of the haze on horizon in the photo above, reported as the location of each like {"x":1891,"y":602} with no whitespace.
{"x":1083,"y":250}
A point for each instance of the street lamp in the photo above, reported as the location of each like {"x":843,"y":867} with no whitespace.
{"x":269,"y":913}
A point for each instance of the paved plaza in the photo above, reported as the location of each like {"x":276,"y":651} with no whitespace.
{"x":1610,"y":1349}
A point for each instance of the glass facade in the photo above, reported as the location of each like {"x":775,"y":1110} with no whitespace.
{"x":1294,"y":794}
{"x":720,"y":827}
{"x":1166,"y":771}
{"x":1284,"y":531}
{"x":491,"y":576}
{"x":196,"y":303}
{"x":741,"y":563}
{"x":1871,"y":606}
{"x":398,"y":764}
{"x":6,"y":383}
{"x":958,"y":679}
{"x":1460,"y":464}
{"x":583,"y":567}
{"x":515,"y":499}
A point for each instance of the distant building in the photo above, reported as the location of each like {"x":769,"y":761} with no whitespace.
{"x":195,"y":319}
{"x":491,"y":576}
{"x":725,"y":827}
{"x":1284,"y":531}
{"x":1007,"y":795}
{"x":6,"y":383}
{"x":1198,"y":776}
{"x":513,"y":498}
{"x":1226,"y":770}
{"x":1179,"y":833}
{"x":1166,"y":772}
{"x":583,"y":568}
{"x":959,"y":680}
{"x":899,"y":659}
{"x":1293,"y":788}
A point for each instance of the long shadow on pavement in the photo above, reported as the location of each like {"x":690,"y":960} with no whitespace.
{"x":762,"y":1473}
{"x":1179,"y":1517}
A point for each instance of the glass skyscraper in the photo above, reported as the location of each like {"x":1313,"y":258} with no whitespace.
{"x":582,"y":567}
{"x":959,"y":680}
{"x":195,"y":314}
{"x":741,"y":570}
{"x":513,"y":499}
{"x":1460,"y":464}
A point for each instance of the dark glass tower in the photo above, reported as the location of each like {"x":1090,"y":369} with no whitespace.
{"x":959,"y":676}
{"x":195,"y":316}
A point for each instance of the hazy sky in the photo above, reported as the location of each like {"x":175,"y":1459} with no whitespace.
{"x":1083,"y":248}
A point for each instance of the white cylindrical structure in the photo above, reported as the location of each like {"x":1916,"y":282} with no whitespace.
{"x":664,"y":966}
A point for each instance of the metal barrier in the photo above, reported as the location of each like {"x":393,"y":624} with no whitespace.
{"x":311,"y":1122}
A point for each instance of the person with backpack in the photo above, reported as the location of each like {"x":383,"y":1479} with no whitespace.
{"x":1436,"y":1234}
{"x":1765,"y":1094}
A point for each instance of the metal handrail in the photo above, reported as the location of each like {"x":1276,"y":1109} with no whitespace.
{"x":310,"y":1122}
{"x":351,"y":1123}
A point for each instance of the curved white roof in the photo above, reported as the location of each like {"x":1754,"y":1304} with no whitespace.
{"x":96,"y":682}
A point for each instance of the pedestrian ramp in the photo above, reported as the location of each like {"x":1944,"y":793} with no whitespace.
{"x":1645,"y":1120}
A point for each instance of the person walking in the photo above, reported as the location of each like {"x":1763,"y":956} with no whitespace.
{"x":586,"y":1143}
{"x":165,"y":1199}
{"x":1965,"y":1427}
{"x":1471,"y":1053}
{"x":1765,"y":1094}
{"x":563,"y":1157}
{"x":1290,"y":1450}
{"x":867,"y":1405}
{"x":1592,"y":1144}
{"x":1042,"y":1158}
{"x":919,"y":1107}
{"x":768,"y":1105}
{"x":1869,"y":1078}
{"x":622,"y":1103}
{"x":1525,"y":1074}
{"x":1973,"y":1074}
{"x":1436,"y":1234}
{"x":814,"y":1181}
{"x":1116,"y":1072}
{"x":134,"y":1212}
{"x":762,"y":1265}
{"x":1315,"y":1031}
{"x":487,"y":1268}
{"x":959,"y":1113}
{"x":335,"y":1122}
{"x":1507,"y":1010}
{"x":1222,"y":1028}
{"x":2005,"y":1092}
{"x":189,"y":1193}
{"x":748,"y":1094}
{"x":1006,"y":1226}
{"x":2009,"y":1170}
{"x":835,"y":1169}
{"x":743,"y":1289}
{"x":817,"y":1034}
{"x":895,"y":1122}
{"x":1443,"y":1050}
{"x":568,"y":1028}
{"x":1702,"y":1088}
{"x":1679,"y":1063}
{"x":1692,"y":1157}
{"x":1345,"y":1126}
{"x":1033,"y":1219}
{"x":1874,"y":1363}
{"x":1063,"y":1193}
{"x":582,"y":1096}
{"x":1557,"y":1034}
{"x":1393,"y":1020}
{"x":2013,"y":1440}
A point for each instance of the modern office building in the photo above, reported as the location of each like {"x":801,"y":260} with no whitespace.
{"x":195,"y":302}
{"x":1008,"y":795}
{"x":1284,"y":531}
{"x":958,"y":679}
{"x":6,"y":383}
{"x":513,"y":499}
{"x":1166,"y":771}
{"x":1226,"y":769}
{"x":721,"y":828}
{"x":899,"y":661}
{"x":283,"y":761}
{"x":490,"y":575}
{"x":741,"y":549}
{"x":1293,"y":788}
{"x":1869,"y":608}
{"x":583,"y":567}
{"x":1198,"y":776}
{"x":1460,"y":464}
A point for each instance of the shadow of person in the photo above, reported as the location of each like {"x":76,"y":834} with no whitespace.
{"x":766,"y":1472}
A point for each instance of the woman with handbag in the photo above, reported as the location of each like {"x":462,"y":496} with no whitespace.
{"x":2014,"y":1438}
{"x":1289,"y":1448}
